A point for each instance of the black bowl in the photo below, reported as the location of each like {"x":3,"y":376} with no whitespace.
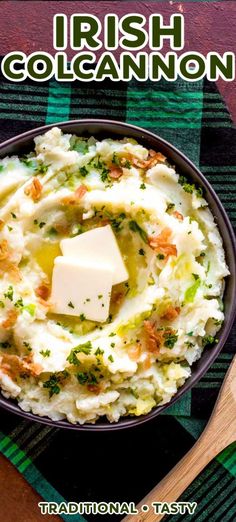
{"x":102,"y":129}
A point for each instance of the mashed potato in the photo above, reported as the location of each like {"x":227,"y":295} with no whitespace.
{"x":159,"y":320}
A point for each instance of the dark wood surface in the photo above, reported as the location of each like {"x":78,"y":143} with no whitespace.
{"x":18,"y":500}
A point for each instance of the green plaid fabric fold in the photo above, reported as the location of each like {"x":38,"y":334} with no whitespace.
{"x":62,"y":465}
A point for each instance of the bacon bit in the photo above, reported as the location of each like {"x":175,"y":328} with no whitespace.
{"x":34,"y":190}
{"x":12,"y":269}
{"x":134,"y":352}
{"x":140,"y":164}
{"x":4,"y":250}
{"x":43,"y":291}
{"x":13,"y":365}
{"x":10,"y":320}
{"x":154,"y":337}
{"x":6,"y":265}
{"x":14,"y":273}
{"x":94,"y":388}
{"x":171,"y":313}
{"x":161,"y":243}
{"x":115,"y":172}
{"x":156,"y":157}
{"x":80,"y":192}
{"x":178,"y":215}
{"x":74,"y":198}
{"x":151,"y":153}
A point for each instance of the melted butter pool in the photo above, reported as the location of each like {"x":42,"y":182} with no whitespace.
{"x":45,"y":256}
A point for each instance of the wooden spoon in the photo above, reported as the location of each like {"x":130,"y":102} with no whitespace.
{"x":218,"y":434}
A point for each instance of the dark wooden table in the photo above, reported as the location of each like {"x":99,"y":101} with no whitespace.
{"x":19,"y":502}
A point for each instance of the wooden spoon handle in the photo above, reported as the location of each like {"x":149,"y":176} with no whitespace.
{"x":218,"y":434}
{"x":179,"y":478}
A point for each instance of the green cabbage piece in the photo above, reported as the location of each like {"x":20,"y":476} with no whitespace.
{"x":190,"y":293}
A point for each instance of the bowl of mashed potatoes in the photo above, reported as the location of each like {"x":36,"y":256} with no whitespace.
{"x":117,"y":275}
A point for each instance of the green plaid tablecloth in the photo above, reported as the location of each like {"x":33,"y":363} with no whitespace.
{"x":124,"y":466}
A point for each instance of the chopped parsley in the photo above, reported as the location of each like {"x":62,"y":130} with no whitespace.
{"x":81,"y":348}
{"x":189,"y":344}
{"x":190,"y":187}
{"x":42,"y":224}
{"x":13,"y":215}
{"x":218,"y":322}
{"x":142,"y":186}
{"x":115,"y":160}
{"x":100,"y":296}
{"x":45,"y":353}
{"x":133,"y":225}
{"x":208,"y":339}
{"x":160,"y":256}
{"x":113,"y":345}
{"x":101,"y":166}
{"x":190,"y":334}
{"x":111,"y":358}
{"x":116,"y":222}
{"x":27,"y":346}
{"x":99,"y":352}
{"x":41,"y":168}
{"x":141,"y":252}
{"x":28,"y":162}
{"x":127,"y":164}
{"x":2,"y":305}
{"x":9,"y":293}
{"x":170,"y":339}
{"x":54,"y":381}
{"x":170,"y":206}
{"x":19,"y":303}
{"x":196,"y":276}
{"x":82,"y":317}
{"x":70,"y":304}
{"x":87,"y":378}
{"x":83,"y":171}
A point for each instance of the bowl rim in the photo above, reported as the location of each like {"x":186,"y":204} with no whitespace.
{"x":128,"y":422}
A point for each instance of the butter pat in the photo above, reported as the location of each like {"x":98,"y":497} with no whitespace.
{"x":100,"y":245}
{"x":82,"y":289}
